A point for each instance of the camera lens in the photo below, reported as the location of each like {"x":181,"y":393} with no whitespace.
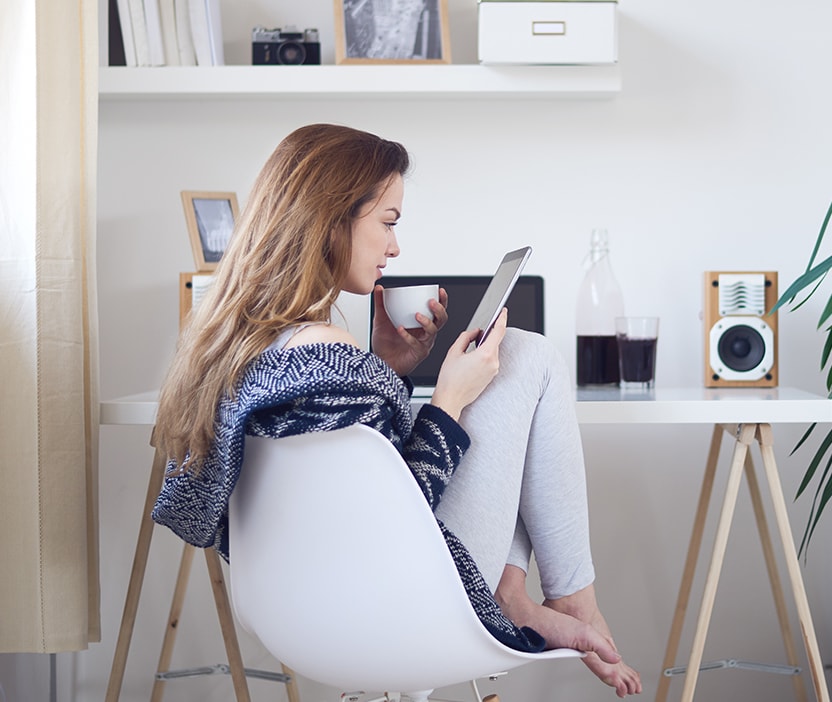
{"x":290,"y":53}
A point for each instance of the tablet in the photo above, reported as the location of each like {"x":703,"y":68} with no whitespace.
{"x":497,"y":292}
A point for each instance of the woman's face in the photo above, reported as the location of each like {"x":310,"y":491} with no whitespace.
{"x":373,"y":238}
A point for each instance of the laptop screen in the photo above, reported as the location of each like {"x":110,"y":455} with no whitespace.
{"x":525,"y":311}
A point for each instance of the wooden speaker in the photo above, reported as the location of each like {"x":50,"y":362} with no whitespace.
{"x":740,"y":335}
{"x":192,"y":287}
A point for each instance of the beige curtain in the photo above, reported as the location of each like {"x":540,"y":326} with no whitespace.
{"x":49,"y":592}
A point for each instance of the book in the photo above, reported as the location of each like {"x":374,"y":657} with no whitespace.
{"x":115,"y":42}
{"x":154,"y":33}
{"x":140,"y":40}
{"x":200,"y":32}
{"x":184,"y":41}
{"x":215,"y":31}
{"x":167,"y":18}
{"x":126,"y":32}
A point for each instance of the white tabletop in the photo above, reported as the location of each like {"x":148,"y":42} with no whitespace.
{"x":614,"y":406}
{"x":701,"y":406}
{"x":130,"y":409}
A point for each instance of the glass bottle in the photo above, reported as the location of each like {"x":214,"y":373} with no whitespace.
{"x":599,"y":303}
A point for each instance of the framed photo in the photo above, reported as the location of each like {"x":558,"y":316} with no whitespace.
{"x":210,"y":218}
{"x":392,"y":31}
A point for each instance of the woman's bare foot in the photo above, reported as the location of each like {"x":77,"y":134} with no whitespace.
{"x":571,"y":622}
{"x":622,"y":677}
{"x":583,"y":606}
{"x":559,"y":629}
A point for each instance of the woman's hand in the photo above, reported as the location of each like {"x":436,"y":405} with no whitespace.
{"x":404,"y":349}
{"x":463,"y":376}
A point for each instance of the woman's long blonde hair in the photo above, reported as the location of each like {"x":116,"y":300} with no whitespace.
{"x":285,"y":263}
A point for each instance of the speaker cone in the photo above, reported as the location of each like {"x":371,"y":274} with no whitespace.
{"x":741,"y":348}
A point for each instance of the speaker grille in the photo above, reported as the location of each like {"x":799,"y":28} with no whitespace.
{"x":742,"y":293}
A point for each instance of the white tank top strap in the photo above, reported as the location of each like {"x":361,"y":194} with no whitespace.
{"x":283,"y":338}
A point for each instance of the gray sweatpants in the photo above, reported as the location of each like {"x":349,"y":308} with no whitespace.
{"x":521,"y":486}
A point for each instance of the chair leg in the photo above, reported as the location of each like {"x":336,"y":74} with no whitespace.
{"x":487,"y":698}
{"x":292,"y":693}
{"x":229,"y":634}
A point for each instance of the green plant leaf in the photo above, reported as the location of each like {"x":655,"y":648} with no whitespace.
{"x":817,"y":509}
{"x":804,"y":437}
{"x":813,"y":466}
{"x":826,"y":312}
{"x":814,"y":277}
{"x":809,"y":294}
{"x":811,"y":274}
{"x":803,"y":282}
{"x":820,"y":236}
{"x":827,"y":348}
{"x":808,"y":529}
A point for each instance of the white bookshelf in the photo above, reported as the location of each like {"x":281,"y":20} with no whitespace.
{"x":443,"y":81}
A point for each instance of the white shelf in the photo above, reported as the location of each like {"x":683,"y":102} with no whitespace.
{"x":454,"y":81}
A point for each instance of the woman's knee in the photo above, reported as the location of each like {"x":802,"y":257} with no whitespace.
{"x":532,"y":354}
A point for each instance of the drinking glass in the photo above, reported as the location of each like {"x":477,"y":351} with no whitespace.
{"x":637,"y":340}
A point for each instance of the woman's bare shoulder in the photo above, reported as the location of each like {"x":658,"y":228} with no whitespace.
{"x":322,"y":333}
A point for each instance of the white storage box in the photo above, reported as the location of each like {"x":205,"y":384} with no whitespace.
{"x":548,"y":31}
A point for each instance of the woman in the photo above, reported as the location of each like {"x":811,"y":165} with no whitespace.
{"x":498,"y":443}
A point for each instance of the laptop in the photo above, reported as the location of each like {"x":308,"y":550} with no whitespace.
{"x":525,"y":311}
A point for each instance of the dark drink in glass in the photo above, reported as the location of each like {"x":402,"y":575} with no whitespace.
{"x":637,"y":338}
{"x":597,"y":360}
{"x":638,"y":360}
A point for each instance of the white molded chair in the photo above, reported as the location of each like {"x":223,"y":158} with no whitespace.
{"x":339,"y":568}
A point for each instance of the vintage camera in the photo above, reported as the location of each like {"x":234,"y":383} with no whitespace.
{"x":286,"y":47}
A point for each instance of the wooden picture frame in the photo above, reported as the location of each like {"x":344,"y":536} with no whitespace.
{"x":210,"y":217}
{"x":392,"y":31}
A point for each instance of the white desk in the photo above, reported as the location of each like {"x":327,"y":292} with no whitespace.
{"x":131,"y":409}
{"x":701,"y":406}
{"x":613,"y":406}
{"x":746,"y":414}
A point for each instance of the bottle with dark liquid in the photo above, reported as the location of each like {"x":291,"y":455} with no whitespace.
{"x":599,"y":303}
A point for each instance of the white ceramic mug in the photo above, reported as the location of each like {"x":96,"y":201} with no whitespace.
{"x":402,"y":304}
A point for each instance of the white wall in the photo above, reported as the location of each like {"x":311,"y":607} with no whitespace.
{"x":715,"y":156}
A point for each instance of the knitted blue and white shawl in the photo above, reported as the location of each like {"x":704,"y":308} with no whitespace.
{"x":321,"y":387}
